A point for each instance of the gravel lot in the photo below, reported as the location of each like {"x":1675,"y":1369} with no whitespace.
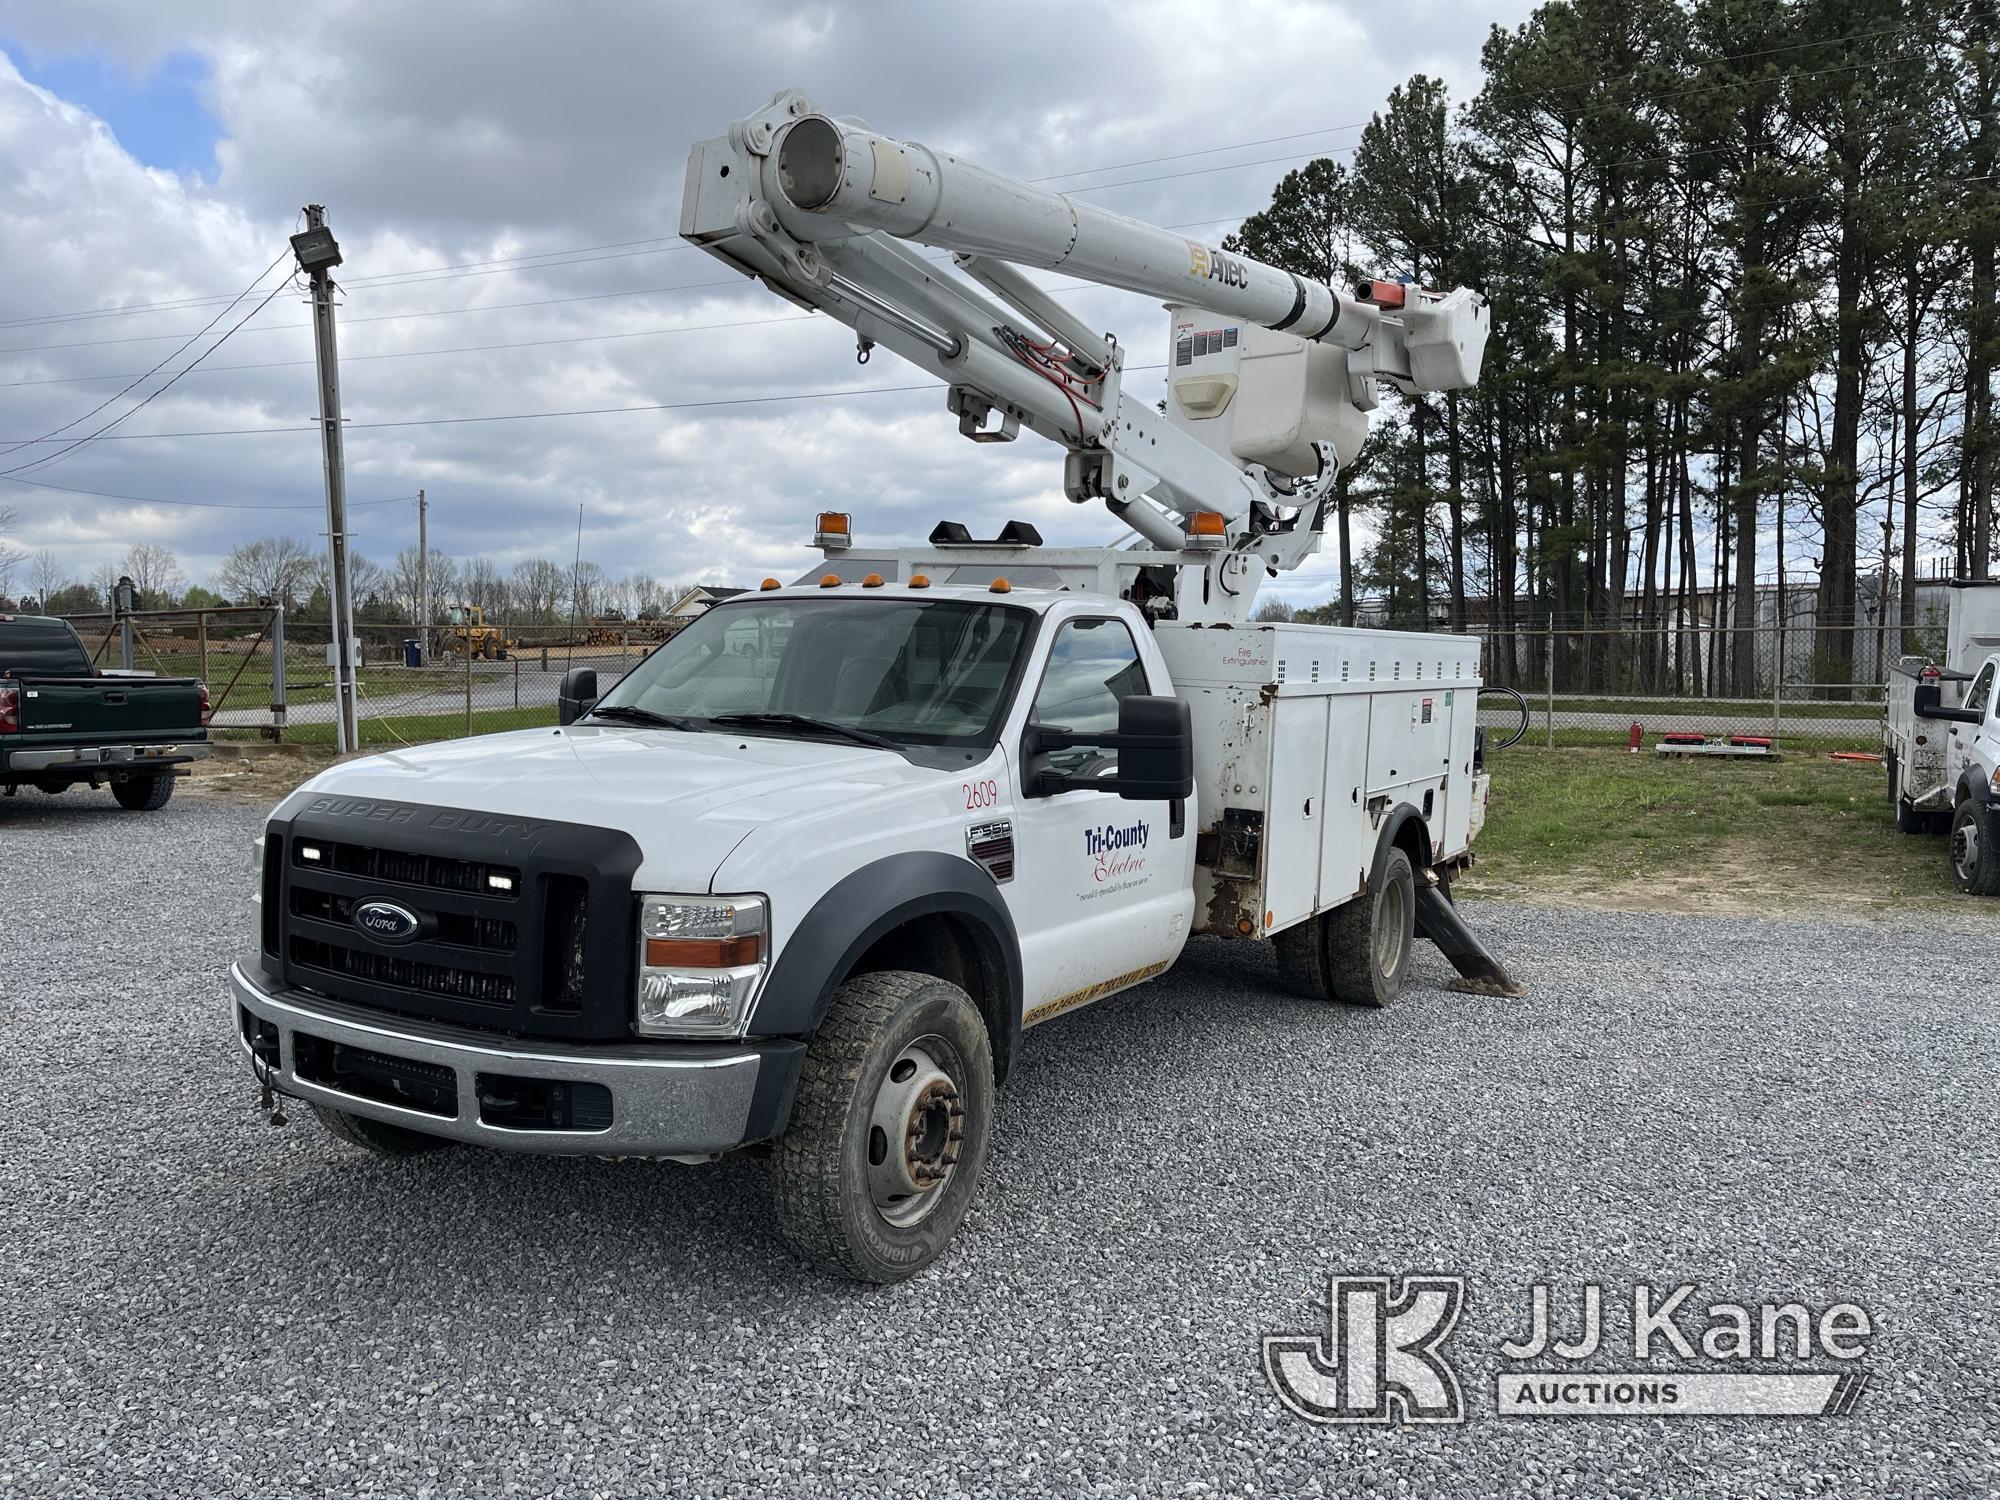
{"x":196,"y":1304}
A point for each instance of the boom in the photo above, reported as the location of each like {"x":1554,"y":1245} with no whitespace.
{"x":1272,"y":374}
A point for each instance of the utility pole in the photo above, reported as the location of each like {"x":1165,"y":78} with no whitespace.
{"x":423,"y":580}
{"x":318,"y":254}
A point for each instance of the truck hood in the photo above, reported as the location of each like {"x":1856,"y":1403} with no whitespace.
{"x":687,"y":798}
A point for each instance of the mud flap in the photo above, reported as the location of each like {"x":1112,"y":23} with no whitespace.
{"x":1479,"y":971}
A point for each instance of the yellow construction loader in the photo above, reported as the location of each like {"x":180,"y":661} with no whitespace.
{"x":466,"y":624}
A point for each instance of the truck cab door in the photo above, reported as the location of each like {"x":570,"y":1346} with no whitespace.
{"x":1967,"y":745}
{"x":1104,"y":887}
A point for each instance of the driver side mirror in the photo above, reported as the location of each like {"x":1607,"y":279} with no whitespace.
{"x":577,"y":694}
{"x":1155,"y":745}
{"x":1929,"y":704}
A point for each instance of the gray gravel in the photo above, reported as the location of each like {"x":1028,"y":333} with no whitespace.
{"x":196,"y":1304}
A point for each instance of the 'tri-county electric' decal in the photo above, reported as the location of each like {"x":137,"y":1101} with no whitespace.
{"x":1116,"y":850}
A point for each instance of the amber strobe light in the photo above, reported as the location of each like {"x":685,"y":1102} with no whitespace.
{"x":832,"y":530}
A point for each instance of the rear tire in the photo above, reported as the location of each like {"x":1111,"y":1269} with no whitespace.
{"x":1368,"y":941}
{"x":1357,"y":953}
{"x":1975,"y":849}
{"x":144,"y":793}
{"x":889,"y":1128}
{"x":376,"y":1136}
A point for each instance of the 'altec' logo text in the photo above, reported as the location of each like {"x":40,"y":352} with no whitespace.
{"x":1214,"y":265}
{"x":1115,"y":850}
{"x":1380,"y":1358}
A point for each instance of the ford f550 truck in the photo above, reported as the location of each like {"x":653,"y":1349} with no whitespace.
{"x":1941,"y":738}
{"x":802,"y":879}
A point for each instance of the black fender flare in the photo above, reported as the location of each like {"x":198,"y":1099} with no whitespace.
{"x":1977,"y":788}
{"x":1392,"y":825}
{"x":872,"y":901}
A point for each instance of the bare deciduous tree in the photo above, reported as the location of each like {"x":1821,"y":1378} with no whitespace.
{"x":278,"y":568}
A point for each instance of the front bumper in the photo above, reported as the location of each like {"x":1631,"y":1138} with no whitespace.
{"x":107,"y":757}
{"x":688,"y":1100}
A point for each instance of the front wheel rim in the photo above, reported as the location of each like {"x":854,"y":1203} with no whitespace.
{"x":916,"y":1132}
{"x":1965,"y":849}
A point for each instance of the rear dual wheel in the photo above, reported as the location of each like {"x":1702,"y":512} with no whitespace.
{"x":1359,"y":953}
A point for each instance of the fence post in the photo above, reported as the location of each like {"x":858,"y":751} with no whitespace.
{"x":545,"y":656}
{"x":1550,"y":718}
{"x":201,"y":640}
{"x":517,"y":682}
{"x":1778,"y":686}
{"x":278,"y":673}
{"x":122,"y":597}
{"x":468,"y":688}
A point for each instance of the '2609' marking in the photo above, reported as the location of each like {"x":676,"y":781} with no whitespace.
{"x":981,"y":793}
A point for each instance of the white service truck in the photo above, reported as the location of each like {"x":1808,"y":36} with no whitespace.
{"x":1943,"y":757}
{"x":803,"y":877}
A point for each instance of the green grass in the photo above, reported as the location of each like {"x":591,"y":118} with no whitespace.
{"x":1602,"y":822}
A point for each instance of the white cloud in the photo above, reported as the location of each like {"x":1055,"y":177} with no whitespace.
{"x":439,"y":136}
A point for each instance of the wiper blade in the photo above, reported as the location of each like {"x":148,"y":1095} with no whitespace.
{"x":815,"y":726}
{"x":631,"y":713}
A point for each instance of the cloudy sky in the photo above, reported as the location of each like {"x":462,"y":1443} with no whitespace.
{"x":505,"y":182}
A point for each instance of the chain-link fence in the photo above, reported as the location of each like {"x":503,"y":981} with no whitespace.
{"x":240,"y":652}
{"x":474,"y":679}
{"x":1800,"y":689}
{"x":1813,"y":689}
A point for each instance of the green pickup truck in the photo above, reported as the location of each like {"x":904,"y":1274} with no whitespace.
{"x":63,"y":724}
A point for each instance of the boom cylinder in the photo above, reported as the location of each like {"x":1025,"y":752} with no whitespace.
{"x":830,"y":179}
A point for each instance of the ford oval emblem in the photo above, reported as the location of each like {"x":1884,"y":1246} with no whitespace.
{"x":386,"y":922}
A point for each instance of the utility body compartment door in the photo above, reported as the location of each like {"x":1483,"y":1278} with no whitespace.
{"x":1296,"y":817}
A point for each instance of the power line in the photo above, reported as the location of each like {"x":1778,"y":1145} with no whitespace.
{"x":71,"y":489}
{"x":90,"y":437}
{"x":582,"y":338}
{"x":512,"y":262}
{"x":590,"y":411}
{"x":168,"y":359}
{"x":453,"y":312}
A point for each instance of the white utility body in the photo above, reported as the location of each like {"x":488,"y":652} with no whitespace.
{"x":805,"y":874}
{"x":1941,"y":738}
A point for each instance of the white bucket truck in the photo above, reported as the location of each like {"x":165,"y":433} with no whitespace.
{"x":1941,"y":738}
{"x":802,"y":878}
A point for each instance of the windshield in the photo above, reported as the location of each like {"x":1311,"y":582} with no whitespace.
{"x":923,"y":671}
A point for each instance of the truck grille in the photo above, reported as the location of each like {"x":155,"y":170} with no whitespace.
{"x":413,"y":975}
{"x":515,"y":926}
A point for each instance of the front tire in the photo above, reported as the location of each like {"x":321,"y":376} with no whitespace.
{"x":1975,"y":849}
{"x":144,"y":793}
{"x":376,"y":1136}
{"x":889,"y":1128}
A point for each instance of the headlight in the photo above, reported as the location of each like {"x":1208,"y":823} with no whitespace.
{"x":700,"y":961}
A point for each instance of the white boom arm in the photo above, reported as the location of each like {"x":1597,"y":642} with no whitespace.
{"x":1272,"y":374}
